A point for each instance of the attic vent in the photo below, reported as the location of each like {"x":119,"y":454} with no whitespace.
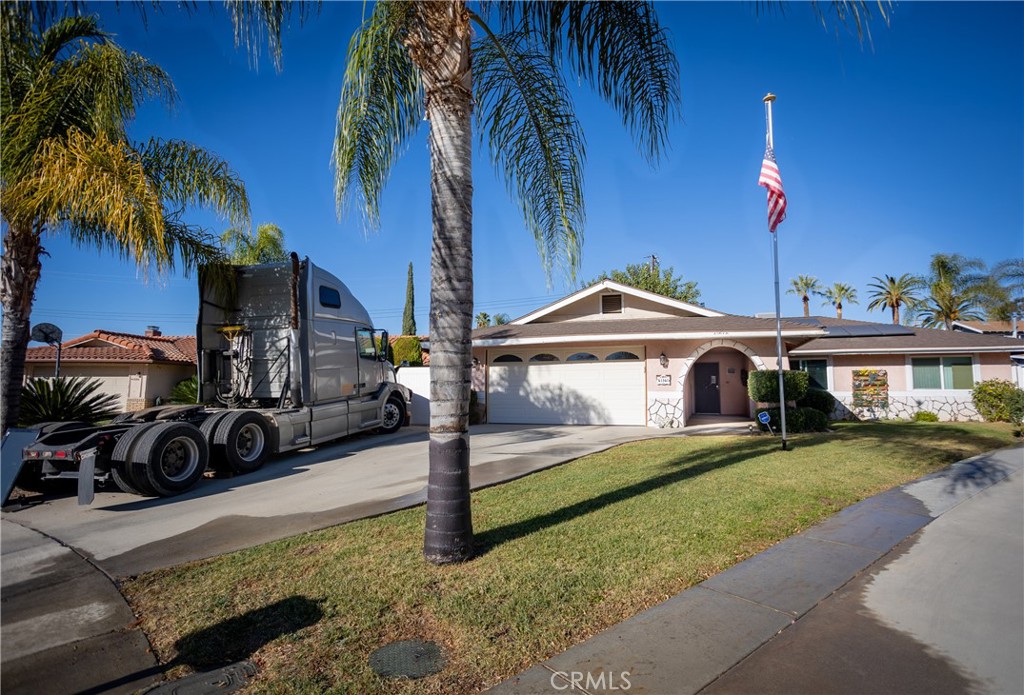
{"x":611,"y":303}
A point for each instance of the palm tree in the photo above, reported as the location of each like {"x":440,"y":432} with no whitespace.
{"x":837,"y":294}
{"x":483,"y":319}
{"x":410,"y":61}
{"x":67,"y":95}
{"x":244,"y":248}
{"x":946,"y":304}
{"x":892,"y":293}
{"x":805,"y":286}
{"x":501,"y":319}
{"x":957,"y":287}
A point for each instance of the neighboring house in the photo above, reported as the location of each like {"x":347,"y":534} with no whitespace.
{"x":616,"y":355}
{"x":1009,"y":328}
{"x":138,"y":369}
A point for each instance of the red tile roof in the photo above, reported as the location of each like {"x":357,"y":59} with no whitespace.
{"x":109,"y":346}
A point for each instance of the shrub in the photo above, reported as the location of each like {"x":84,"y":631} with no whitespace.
{"x":995,"y":398}
{"x":924,"y":416}
{"x":820,"y":400}
{"x":407,"y":348}
{"x":763,"y":385}
{"x":64,"y":399}
{"x":185,"y":391}
{"x":797,"y":420}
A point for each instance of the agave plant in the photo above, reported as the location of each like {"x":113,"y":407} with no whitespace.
{"x":63,"y":399}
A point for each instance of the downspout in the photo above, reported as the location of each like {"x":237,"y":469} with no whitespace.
{"x":295,"y":363}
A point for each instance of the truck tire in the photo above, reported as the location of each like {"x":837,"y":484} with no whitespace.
{"x":208,"y":428}
{"x":120,"y":463}
{"x":392,"y":416}
{"x":171,"y":456}
{"x":242,"y":439}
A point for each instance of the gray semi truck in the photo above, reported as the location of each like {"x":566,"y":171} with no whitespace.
{"x":287,"y":359}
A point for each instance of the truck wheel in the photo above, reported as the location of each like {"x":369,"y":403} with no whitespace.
{"x":120,"y":463}
{"x":208,"y":428}
{"x":393,"y":415}
{"x":243,"y":439}
{"x":171,"y":456}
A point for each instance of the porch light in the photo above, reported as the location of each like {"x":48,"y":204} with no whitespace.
{"x":663,"y":360}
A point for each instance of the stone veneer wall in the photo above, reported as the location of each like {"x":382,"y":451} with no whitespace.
{"x":902,"y":406}
{"x":138,"y":404}
{"x":665,"y":411}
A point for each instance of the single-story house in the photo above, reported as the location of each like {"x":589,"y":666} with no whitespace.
{"x":616,"y":355}
{"x":138,"y":369}
{"x":1010,"y":328}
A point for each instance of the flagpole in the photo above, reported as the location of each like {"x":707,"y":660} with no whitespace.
{"x":768,"y":99}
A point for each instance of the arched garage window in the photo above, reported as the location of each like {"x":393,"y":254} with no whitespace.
{"x":544,"y":357}
{"x":582,"y":357}
{"x":621,"y":355}
{"x":508,"y":358}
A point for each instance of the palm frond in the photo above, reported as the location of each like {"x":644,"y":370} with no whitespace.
{"x":256,"y":21}
{"x":66,"y":399}
{"x":623,"y":52}
{"x":380,"y":108}
{"x":186,"y":175}
{"x":525,"y":112}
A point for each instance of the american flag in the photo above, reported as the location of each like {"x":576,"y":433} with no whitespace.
{"x":772,"y":180}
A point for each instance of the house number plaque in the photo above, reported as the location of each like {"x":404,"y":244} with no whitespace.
{"x":663,"y":379}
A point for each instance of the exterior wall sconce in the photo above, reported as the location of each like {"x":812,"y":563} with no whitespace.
{"x":476,"y":361}
{"x":663,"y":360}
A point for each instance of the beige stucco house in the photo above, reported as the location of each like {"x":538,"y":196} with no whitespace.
{"x":138,"y":369}
{"x":612,"y":354}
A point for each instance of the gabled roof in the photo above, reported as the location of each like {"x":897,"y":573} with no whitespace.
{"x":599,"y":287}
{"x":985,"y":326}
{"x":631,"y":330}
{"x":110,"y":346}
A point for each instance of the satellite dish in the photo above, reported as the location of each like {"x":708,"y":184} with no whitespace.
{"x":46,"y":333}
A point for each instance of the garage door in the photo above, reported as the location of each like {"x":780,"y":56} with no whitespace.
{"x":592,"y":393}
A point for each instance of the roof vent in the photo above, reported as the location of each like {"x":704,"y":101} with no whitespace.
{"x":611,"y":303}
{"x":153,"y":332}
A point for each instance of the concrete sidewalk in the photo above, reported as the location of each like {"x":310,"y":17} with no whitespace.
{"x":917,"y":590}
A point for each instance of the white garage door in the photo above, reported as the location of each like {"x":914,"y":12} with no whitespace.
{"x":593,"y":393}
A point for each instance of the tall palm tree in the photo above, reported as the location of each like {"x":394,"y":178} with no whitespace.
{"x":839,"y":293}
{"x":244,"y":248}
{"x":946,"y":304}
{"x":483,"y":319}
{"x":957,"y":288}
{"x":68,"y":167}
{"x":892,"y":293}
{"x":411,"y":60}
{"x":805,"y":286}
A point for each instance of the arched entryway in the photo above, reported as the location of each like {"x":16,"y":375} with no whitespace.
{"x":713,"y":378}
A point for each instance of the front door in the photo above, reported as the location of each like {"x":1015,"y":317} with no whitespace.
{"x":706,"y":398}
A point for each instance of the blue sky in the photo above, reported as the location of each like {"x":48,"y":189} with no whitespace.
{"x":889,"y":152}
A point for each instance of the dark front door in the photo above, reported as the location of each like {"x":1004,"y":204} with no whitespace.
{"x":706,"y":397}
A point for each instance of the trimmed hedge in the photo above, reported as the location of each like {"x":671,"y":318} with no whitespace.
{"x":763,"y":385}
{"x":797,"y":420}
{"x":820,"y":400}
{"x":407,"y":348}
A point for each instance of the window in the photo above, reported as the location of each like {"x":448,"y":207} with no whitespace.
{"x":817,"y":370}
{"x":942,"y":372}
{"x":611,"y":303}
{"x":544,"y":357}
{"x":330,"y":297}
{"x":366,"y":344}
{"x":582,"y":357}
{"x":621,"y":355}
{"x":508,"y":358}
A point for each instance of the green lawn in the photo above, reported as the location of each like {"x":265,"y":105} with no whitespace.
{"x":563,"y":554}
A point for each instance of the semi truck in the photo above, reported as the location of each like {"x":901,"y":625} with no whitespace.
{"x":287,"y":359}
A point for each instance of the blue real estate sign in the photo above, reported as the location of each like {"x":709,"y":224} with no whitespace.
{"x":764,"y":418}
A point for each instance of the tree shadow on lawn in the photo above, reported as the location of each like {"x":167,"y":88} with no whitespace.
{"x":706,"y":461}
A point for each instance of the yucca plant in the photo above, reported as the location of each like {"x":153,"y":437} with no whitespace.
{"x":185,"y":391}
{"x":63,"y":399}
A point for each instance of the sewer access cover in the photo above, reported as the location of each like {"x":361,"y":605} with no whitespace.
{"x":407,"y":659}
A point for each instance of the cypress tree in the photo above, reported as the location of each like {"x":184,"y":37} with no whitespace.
{"x":409,"y":317}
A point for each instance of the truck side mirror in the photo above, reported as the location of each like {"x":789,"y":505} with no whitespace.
{"x":384,"y":346}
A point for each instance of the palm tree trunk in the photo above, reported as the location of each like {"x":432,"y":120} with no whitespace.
{"x":19,"y":273}
{"x":807,"y":306}
{"x":839,"y":310}
{"x":895,"y":314}
{"x":449,"y":528}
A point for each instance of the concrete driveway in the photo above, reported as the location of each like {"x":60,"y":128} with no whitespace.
{"x":125,"y":535}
